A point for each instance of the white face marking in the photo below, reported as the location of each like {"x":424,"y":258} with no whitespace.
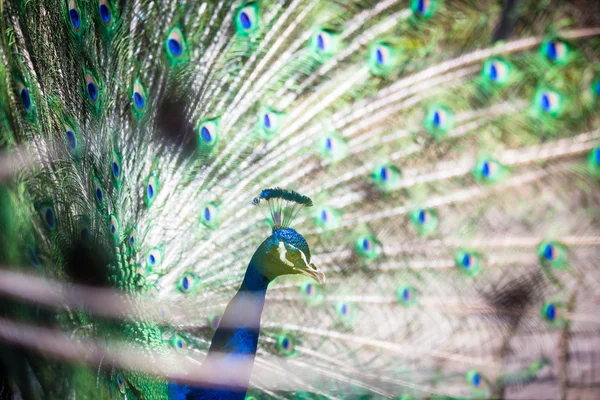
{"x":308,"y":269}
{"x":283,"y":254}
{"x":303,"y":257}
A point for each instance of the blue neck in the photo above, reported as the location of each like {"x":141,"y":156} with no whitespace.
{"x":240,"y":324}
{"x":236,"y":339}
{"x":254,"y":281}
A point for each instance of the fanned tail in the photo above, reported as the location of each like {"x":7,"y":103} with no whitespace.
{"x":451,"y":150}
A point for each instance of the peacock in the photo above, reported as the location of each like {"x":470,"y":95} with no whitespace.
{"x":299,"y":199}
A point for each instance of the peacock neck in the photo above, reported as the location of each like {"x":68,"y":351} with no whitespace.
{"x":233,"y":347}
{"x":239,"y":327}
{"x":254,"y":281}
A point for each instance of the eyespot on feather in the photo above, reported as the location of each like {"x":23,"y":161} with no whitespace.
{"x":246,"y":19}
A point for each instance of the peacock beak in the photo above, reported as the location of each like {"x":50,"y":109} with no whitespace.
{"x":313,"y":272}
{"x":295,"y":258}
{"x":309,"y":269}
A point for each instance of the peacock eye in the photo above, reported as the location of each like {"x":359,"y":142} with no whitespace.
{"x":207,"y":134}
{"x":269,"y":121}
{"x":594,"y":160}
{"x":382,"y":54}
{"x":246,"y":20}
{"x":138,"y":96}
{"x":326,"y":217}
{"x":154,"y":258}
{"x":311,"y":292}
{"x":121,"y":383}
{"x":553,"y":313}
{"x":406,"y":295}
{"x":555,"y":50}
{"x":488,"y":170}
{"x":210,"y":215}
{"x":346,"y":312}
{"x":175,"y":43}
{"x":332,"y":147}
{"x":425,"y":221}
{"x":213,"y":321}
{"x":423,"y":8}
{"x":381,"y":59}
{"x":330,"y":144}
{"x":439,"y":118}
{"x":151,"y":189}
{"x":98,"y":193}
{"x":104,"y":11}
{"x":179,"y":344}
{"x":91,"y":88}
{"x":552,"y":254}
{"x":384,"y":173}
{"x":83,"y":227}
{"x":286,"y":344}
{"x":187,"y":283}
{"x":71,"y":139}
{"x":343,"y":309}
{"x":386,"y":176}
{"x":467,"y":262}
{"x":423,"y":217}
{"x":48,"y":216}
{"x":176,"y":47}
{"x":548,"y":101}
{"x":550,"y":312}
{"x":366,"y":244}
{"x":114,"y":227}
{"x":115,"y":167}
{"x":476,"y":382}
{"x":323,"y":43}
{"x":438,"y":121}
{"x":132,"y":237}
{"x":74,"y":15}
{"x":367,"y":247}
{"x":496,"y":70}
{"x":25,"y":96}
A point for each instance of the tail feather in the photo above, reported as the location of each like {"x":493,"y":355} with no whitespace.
{"x":450,"y":148}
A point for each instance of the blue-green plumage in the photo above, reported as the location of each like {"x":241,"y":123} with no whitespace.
{"x":451,"y":150}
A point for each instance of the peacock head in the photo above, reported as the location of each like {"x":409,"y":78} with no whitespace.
{"x":286,"y":251}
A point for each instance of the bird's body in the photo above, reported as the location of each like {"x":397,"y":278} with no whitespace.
{"x":451,"y":149}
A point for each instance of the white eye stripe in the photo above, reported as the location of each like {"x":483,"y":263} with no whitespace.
{"x":304,"y":258}
{"x":301,"y":255}
{"x":283,"y":254}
